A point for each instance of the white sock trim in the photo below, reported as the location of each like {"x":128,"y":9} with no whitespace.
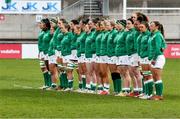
{"x":53,"y":84}
{"x":145,"y":82}
{"x":126,"y":89}
{"x":99,"y":86}
{"x":150,"y":80}
{"x":94,"y":84}
{"x":80,"y":82}
{"x":159,"y":81}
{"x":70,"y":81}
{"x":106,"y":85}
{"x":140,"y":89}
{"x":88,"y":86}
{"x":83,"y":76}
{"x":136,"y":89}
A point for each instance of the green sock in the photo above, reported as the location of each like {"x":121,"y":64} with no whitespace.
{"x":61,"y":79}
{"x":127,"y":90}
{"x":116,"y":81}
{"x":100,"y":87}
{"x":119,"y":87}
{"x":150,"y":87}
{"x":65,"y":80}
{"x":49,"y":79}
{"x":106,"y":87}
{"x":115,"y":85}
{"x":80,"y":84}
{"x":146,"y":88}
{"x":46,"y":78}
{"x":83,"y":83}
{"x":70,"y":83}
{"x":45,"y":75}
{"x":143,"y":85}
{"x":159,"y":87}
{"x":93,"y":86}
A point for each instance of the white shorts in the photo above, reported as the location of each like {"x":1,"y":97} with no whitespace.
{"x":82,"y":58}
{"x":103,"y":59}
{"x":74,"y":55}
{"x":113,"y":60}
{"x":66,"y":59}
{"x":134,"y":59}
{"x":160,"y":62}
{"x":46,"y":57}
{"x":94,"y":58}
{"x":144,"y":61}
{"x":88,"y":60}
{"x":123,"y":60}
{"x":58,"y":53}
{"x":41,"y":55}
{"x":52,"y":59}
{"x":97,"y":59}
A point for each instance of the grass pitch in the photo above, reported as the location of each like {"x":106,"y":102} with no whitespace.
{"x":20,"y":98}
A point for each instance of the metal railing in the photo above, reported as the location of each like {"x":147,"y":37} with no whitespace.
{"x":73,"y":11}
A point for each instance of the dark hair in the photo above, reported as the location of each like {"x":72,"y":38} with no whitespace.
{"x":130,"y":19}
{"x":160,"y":26}
{"x":63,"y":20}
{"x":141,"y":17}
{"x":47,"y":23}
{"x":85,"y":21}
{"x":145,"y":24}
{"x":95,"y":21}
{"x":98,"y":23}
{"x":67,"y":26}
{"x":75,"y":22}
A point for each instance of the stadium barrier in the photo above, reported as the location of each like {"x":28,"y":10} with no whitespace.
{"x":30,"y":51}
{"x":172,"y":51}
{"x":19,"y":51}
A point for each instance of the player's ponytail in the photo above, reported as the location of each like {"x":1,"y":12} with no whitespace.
{"x":160,"y":27}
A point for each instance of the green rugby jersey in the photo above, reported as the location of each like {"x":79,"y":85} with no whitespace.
{"x":156,"y":45}
{"x":142,"y":41}
{"x":111,"y":43}
{"x":89,"y":43}
{"x":103,"y":49}
{"x":46,"y":41}
{"x":73,"y":40}
{"x":82,"y":42}
{"x":59,"y":39}
{"x":98,"y":42}
{"x":78,"y":44}
{"x":130,"y":41}
{"x":120,"y":39}
{"x":40,"y":41}
{"x":66,"y":43}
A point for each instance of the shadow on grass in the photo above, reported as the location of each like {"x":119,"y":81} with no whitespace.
{"x":37,"y":93}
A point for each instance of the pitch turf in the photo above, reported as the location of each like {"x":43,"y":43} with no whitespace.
{"x":19,"y":97}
